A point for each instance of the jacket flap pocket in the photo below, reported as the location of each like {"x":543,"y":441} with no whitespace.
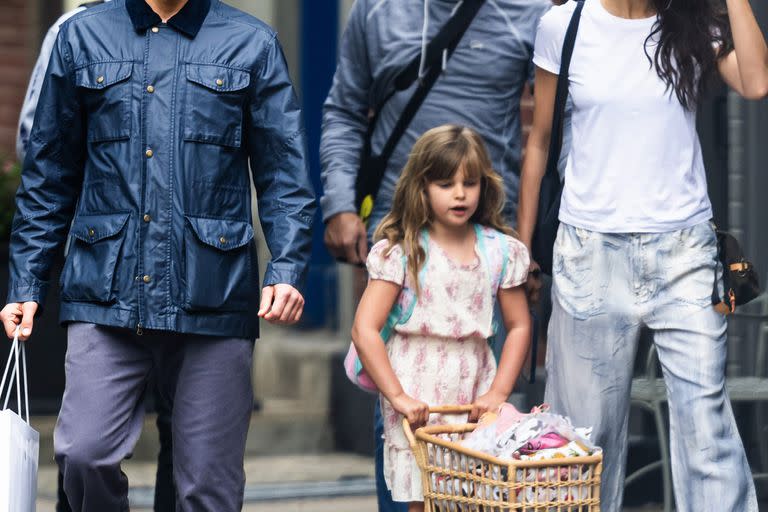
{"x":223,"y":234}
{"x":218,"y":78}
{"x":92,"y":228}
{"x":103,"y":74}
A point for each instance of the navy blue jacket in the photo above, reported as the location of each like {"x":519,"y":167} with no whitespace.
{"x":140,"y":150}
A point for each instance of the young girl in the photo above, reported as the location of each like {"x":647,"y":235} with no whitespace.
{"x":636,"y":247}
{"x":444,"y":243}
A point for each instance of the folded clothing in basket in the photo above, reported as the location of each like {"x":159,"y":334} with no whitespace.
{"x":510,"y":434}
{"x":548,"y":490}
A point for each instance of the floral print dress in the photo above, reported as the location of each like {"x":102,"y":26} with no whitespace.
{"x":440,"y":355}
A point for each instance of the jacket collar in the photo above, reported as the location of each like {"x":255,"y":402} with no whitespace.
{"x":188,"y":20}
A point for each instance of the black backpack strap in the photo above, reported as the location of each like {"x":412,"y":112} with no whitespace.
{"x":551,"y":189}
{"x":91,"y":4}
{"x":561,"y":97}
{"x":372,"y":172}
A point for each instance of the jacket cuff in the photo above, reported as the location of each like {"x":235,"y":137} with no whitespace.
{"x":284,"y":273}
{"x":331,"y":206}
{"x":27,"y":291}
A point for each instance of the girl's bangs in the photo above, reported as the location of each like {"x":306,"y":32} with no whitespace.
{"x":447,"y":162}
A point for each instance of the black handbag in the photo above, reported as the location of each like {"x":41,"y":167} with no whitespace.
{"x":740,"y":281}
{"x":373,"y":167}
{"x":547,"y":221}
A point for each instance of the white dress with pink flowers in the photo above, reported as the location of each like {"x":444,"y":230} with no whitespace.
{"x":440,"y":355}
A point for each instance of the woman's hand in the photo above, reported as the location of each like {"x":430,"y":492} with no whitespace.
{"x":487,"y":402}
{"x":415,"y":411}
{"x":533,"y":284}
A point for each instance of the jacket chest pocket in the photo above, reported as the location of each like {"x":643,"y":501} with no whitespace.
{"x":89,"y":272}
{"x":106,"y":91}
{"x":215,"y":97}
{"x":219,"y":273}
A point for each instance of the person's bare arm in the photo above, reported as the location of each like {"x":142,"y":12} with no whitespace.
{"x":534,"y":167}
{"x":372,"y":312}
{"x":536,"y":151}
{"x":517,"y":320}
{"x":745,"y":69}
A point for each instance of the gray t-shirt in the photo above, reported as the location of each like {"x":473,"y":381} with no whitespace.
{"x":481,"y":87}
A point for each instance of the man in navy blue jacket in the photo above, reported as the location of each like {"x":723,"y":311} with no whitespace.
{"x":149,"y":116}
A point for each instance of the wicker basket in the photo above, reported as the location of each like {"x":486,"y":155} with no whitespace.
{"x":457,"y":479}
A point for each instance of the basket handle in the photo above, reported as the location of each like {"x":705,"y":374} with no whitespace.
{"x":440,"y":409}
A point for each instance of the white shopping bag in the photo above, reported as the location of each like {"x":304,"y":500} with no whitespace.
{"x":19,"y":442}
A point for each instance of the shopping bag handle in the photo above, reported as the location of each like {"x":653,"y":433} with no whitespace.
{"x":440,"y":409}
{"x":16,"y":372}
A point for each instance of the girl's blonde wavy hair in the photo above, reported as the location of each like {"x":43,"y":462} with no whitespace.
{"x":437,"y":155}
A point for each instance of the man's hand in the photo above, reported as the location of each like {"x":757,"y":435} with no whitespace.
{"x":533,"y":285}
{"x":346,"y":238}
{"x":17,"y":313}
{"x":281,"y":304}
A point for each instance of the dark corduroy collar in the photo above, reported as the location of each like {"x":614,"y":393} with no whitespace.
{"x":188,"y":20}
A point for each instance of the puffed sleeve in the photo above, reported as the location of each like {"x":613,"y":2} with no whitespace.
{"x":385,"y":264}
{"x":516,"y":272}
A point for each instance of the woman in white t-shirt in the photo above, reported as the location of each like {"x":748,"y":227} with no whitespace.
{"x":636,"y":246}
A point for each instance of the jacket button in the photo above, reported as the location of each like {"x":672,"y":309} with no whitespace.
{"x":149,"y":153}
{"x":219,"y":82}
{"x":147,"y":279}
{"x":150,"y":89}
{"x":91,"y":232}
{"x":147,"y":218}
{"x":155,"y":30}
{"x":100,"y":79}
{"x":222,"y":240}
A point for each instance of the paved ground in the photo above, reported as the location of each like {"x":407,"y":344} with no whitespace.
{"x":296,"y":474}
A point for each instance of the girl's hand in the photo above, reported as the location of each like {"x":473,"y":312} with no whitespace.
{"x":415,"y":411}
{"x":487,"y":402}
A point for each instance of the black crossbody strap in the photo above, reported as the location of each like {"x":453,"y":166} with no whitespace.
{"x":447,"y":39}
{"x":561,"y":97}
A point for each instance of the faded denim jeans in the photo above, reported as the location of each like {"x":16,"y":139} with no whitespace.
{"x":606,"y":287}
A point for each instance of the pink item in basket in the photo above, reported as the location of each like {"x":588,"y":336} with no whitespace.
{"x":544,"y":442}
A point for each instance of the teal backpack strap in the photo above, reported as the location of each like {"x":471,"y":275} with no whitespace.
{"x":403,"y":310}
{"x":488,"y":237}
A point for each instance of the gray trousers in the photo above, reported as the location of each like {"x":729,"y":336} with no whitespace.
{"x":208,"y":380}
{"x":606,"y":288}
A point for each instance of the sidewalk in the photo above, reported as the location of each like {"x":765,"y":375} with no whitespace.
{"x":273,"y":482}
{"x":332,"y":475}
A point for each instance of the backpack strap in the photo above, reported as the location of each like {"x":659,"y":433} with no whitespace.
{"x":402,"y":311}
{"x":495,"y":269}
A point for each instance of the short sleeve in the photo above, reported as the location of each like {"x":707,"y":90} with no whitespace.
{"x":385,"y":264}
{"x":516,"y":272}
{"x":531,"y":19}
{"x":550,"y":36}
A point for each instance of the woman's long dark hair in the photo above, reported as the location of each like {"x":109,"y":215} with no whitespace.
{"x":692,"y":36}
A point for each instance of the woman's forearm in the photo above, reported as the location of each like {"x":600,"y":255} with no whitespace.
{"x":750,"y":47}
{"x":530,"y":183}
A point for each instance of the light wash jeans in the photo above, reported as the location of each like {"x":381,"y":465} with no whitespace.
{"x":606,"y":287}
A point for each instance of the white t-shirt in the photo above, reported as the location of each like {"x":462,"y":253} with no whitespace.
{"x":635,"y":163}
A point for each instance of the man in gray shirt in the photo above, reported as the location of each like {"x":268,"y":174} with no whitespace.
{"x":480,"y":86}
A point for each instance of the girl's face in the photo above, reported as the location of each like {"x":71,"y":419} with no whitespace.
{"x":454,"y":201}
